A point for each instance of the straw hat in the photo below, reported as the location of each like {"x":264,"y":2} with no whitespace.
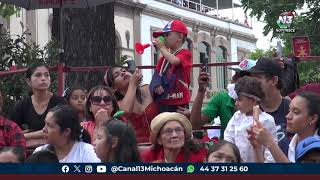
{"x":160,"y":120}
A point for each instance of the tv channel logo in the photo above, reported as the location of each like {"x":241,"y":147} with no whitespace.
{"x":101,"y":169}
{"x":65,"y":169}
{"x":88,"y":169}
{"x":284,"y":22}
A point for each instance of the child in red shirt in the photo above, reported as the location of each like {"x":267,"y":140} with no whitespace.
{"x":171,"y":80}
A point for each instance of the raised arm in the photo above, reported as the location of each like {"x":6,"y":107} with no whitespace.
{"x":197,"y":119}
{"x":264,"y":137}
{"x":165,"y":52}
{"x":127,"y":103}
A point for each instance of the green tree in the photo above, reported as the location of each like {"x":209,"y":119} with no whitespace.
{"x":8,"y":10}
{"x":256,"y":54}
{"x":308,"y":71}
{"x":306,"y":24}
{"x":269,"y":11}
{"x":259,"y":53}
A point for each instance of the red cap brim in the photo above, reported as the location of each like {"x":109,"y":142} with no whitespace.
{"x":157,"y":34}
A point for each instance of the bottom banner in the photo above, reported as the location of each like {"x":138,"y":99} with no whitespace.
{"x":162,"y":168}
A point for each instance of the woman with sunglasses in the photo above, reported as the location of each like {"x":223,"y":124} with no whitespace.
{"x":134,"y":99}
{"x":100,"y":107}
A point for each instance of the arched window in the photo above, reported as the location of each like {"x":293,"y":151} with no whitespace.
{"x":221,"y":56}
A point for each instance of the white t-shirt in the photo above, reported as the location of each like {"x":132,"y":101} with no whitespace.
{"x":236,"y":133}
{"x":293,"y":144}
{"x":80,"y":153}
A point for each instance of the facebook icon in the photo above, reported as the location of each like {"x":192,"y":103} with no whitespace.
{"x":65,"y":169}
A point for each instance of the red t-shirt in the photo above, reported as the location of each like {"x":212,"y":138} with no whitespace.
{"x":157,"y":156}
{"x":141,"y":121}
{"x":178,"y":78}
{"x":89,"y":126}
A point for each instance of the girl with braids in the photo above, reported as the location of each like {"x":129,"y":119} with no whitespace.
{"x":64,"y":136}
{"x":135,"y":100}
{"x":116,"y":142}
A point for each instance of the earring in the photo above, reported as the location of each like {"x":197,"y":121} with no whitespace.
{"x":310,"y":124}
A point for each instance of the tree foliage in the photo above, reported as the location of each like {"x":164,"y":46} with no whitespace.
{"x":308,"y":71}
{"x":268,"y":11}
{"x":306,"y":24}
{"x":7,"y":10}
{"x":15,"y":49}
{"x":259,"y":53}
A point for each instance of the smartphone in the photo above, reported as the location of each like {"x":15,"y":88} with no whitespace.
{"x":205,"y":65}
{"x":131,"y":65}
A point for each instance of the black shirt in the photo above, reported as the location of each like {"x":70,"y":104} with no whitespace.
{"x":26,"y":117}
{"x":281,"y":123}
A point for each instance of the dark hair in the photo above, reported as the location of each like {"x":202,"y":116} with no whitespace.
{"x":236,"y":76}
{"x":90,"y":95}
{"x":313,"y":104}
{"x":249,"y":85}
{"x":315,"y":150}
{"x":18,"y":151}
{"x":66,"y":117}
{"x":127,"y":148}
{"x":69,"y":91}
{"x":110,"y":82}
{"x":33,"y":67}
{"x":184,"y":39}
{"x":270,"y":76}
{"x":222,"y":143}
{"x":43,"y":156}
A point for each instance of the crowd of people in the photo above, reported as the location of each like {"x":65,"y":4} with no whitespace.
{"x":258,"y":124}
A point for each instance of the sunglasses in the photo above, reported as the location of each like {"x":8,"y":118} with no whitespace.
{"x":96,"y":100}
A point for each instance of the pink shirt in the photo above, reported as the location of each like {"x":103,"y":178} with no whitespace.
{"x":89,"y":126}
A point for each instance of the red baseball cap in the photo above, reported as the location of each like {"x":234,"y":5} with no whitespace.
{"x":172,"y":26}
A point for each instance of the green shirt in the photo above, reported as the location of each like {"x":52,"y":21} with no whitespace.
{"x":221,"y":105}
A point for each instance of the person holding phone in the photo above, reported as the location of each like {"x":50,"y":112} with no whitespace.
{"x":135,"y":100}
{"x":221,"y":104}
